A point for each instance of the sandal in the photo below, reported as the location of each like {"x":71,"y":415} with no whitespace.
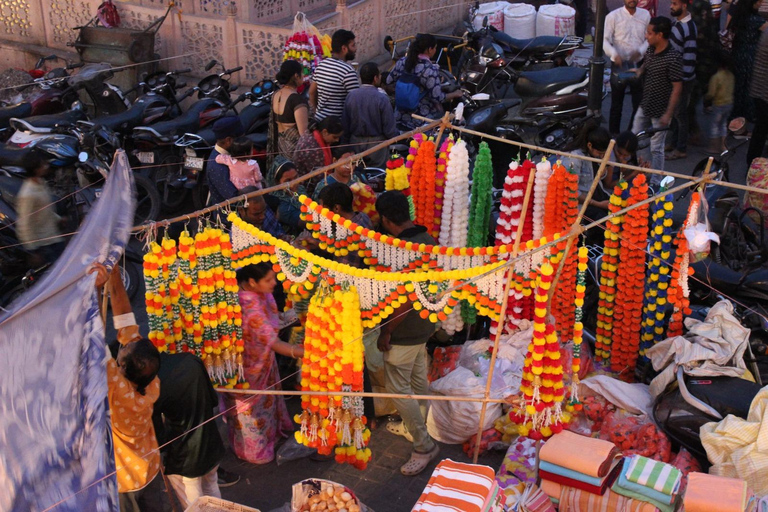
{"x":676,"y":155}
{"x":419,"y":462}
{"x":398,"y":428}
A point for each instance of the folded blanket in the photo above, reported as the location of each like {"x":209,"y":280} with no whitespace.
{"x":604,"y":484}
{"x":638,"y":492}
{"x":592,"y":457}
{"x":657,"y":475}
{"x":709,"y":492}
{"x":576,"y":500}
{"x":458,"y":486}
{"x":575,"y":475}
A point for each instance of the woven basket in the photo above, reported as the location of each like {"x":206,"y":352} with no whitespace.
{"x":208,"y":504}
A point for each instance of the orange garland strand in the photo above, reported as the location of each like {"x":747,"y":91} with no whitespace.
{"x":423,"y":185}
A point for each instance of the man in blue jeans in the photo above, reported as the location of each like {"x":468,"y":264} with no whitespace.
{"x":662,"y":74}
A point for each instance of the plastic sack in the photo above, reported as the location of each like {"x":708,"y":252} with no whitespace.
{"x":698,"y":235}
{"x":596,"y":409}
{"x":455,"y":422}
{"x":291,"y":450}
{"x":686,"y":463}
{"x":636,"y":435}
{"x":508,"y":371}
{"x":444,"y":361}
{"x":490,"y":440}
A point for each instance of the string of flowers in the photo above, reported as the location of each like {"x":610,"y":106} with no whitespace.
{"x":658,"y":274}
{"x":679,"y":291}
{"x":562,"y":304}
{"x":479,"y":211}
{"x":453,"y":226}
{"x":608,"y":270}
{"x":397,"y":178}
{"x":574,"y":403}
{"x":410,"y":160}
{"x":630,"y":279}
{"x":543,"y":172}
{"x":423,"y":185}
{"x":540,"y":413}
{"x":333,"y":361}
{"x":161,"y":296}
{"x":440,"y":175}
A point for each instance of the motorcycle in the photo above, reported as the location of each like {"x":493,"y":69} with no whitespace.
{"x":197,"y":146}
{"x":155,"y":145}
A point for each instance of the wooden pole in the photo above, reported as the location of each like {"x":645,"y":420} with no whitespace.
{"x":577,"y":224}
{"x":503,"y":314}
{"x":283,"y":186}
{"x":444,"y":123}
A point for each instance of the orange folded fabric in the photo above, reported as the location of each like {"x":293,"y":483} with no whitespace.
{"x":592,"y":457}
{"x":575,"y":500}
{"x":709,"y":492}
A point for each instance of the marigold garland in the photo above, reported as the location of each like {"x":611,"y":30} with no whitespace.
{"x":162,"y":294}
{"x":627,"y":324}
{"x":440,"y":177}
{"x":608,"y":273}
{"x":562,"y":303}
{"x":540,"y":412}
{"x":658,"y":275}
{"x":453,"y":226}
{"x":678,"y":291}
{"x":574,"y":403}
{"x":423,"y":185}
{"x":333,"y":361}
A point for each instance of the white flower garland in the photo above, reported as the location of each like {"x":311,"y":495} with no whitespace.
{"x":455,"y":215}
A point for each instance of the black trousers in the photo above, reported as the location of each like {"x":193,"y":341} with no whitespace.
{"x":618,"y":93}
{"x":760,"y":132}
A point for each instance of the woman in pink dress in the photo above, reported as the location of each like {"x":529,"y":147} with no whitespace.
{"x":259,"y":421}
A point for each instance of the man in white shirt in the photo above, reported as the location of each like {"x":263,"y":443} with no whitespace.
{"x":625,"y":45}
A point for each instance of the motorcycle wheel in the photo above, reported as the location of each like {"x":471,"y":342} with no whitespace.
{"x":172,"y":198}
{"x":200,"y":194}
{"x":147,"y":200}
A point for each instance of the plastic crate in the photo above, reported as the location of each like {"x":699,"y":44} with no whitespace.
{"x":209,"y":504}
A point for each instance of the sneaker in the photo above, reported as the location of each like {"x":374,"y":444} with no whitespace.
{"x":226,"y":478}
{"x":398,"y":428}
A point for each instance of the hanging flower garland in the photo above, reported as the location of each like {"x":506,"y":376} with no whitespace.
{"x":543,"y":172}
{"x":630,"y":281}
{"x":162,"y":294}
{"x":398,"y":178}
{"x":440,"y":175}
{"x":540,"y":413}
{"x":423,"y":185}
{"x":658,"y":274}
{"x":562,"y":304}
{"x":453,"y":225}
{"x":364,"y":201}
{"x":574,"y":403}
{"x":333,"y":361}
{"x":608,"y":272}
{"x":679,"y":291}
{"x":479,"y":210}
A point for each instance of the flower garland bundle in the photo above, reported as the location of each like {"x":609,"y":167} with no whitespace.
{"x":480,"y":210}
{"x":162,"y":295}
{"x":540,"y":413}
{"x":333,"y":361}
{"x":365,"y":201}
{"x":658,"y":275}
{"x":562,"y":302}
{"x":442,"y":165}
{"x":423,"y":185}
{"x":578,"y":328}
{"x":306,"y":49}
{"x":608,"y":270}
{"x":554,"y":215}
{"x":630,"y":281}
{"x":453,"y":226}
{"x":543,"y":172}
{"x":679,"y":291}
{"x":397,"y":175}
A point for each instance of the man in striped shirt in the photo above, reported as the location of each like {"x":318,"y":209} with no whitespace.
{"x":334,"y":78}
{"x":683,"y":39}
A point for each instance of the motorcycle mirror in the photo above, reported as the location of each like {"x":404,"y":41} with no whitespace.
{"x":210,"y":65}
{"x":82,"y":157}
{"x":232,"y":88}
{"x":667,"y":182}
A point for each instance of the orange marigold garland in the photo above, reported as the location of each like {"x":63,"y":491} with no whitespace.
{"x":162,"y":294}
{"x":578,"y":328}
{"x":630,"y":281}
{"x":440,"y":176}
{"x":333,"y":361}
{"x":423,"y":185}
{"x":608,"y":272}
{"x":562,"y":302}
{"x":540,"y":414}
{"x":678,"y":290}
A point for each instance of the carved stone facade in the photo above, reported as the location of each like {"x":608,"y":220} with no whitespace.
{"x":222,"y":30}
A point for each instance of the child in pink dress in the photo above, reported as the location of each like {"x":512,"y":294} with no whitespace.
{"x":243,"y":172}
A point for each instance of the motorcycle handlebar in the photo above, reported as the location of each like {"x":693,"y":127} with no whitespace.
{"x":75,"y":65}
{"x":233,"y":70}
{"x":181,"y":71}
{"x":189,"y":92}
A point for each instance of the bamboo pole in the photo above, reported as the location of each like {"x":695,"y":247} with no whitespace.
{"x":577,"y":224}
{"x":283,"y":186}
{"x":444,"y":123}
{"x":503,"y":314}
{"x":283,"y":392}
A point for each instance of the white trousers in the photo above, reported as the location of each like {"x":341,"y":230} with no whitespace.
{"x":189,"y":489}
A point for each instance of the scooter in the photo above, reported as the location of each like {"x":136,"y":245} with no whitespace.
{"x":197,"y":146}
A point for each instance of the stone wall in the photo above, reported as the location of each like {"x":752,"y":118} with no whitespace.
{"x":249,"y":34}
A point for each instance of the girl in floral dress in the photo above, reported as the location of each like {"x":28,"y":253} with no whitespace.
{"x":257,"y":422}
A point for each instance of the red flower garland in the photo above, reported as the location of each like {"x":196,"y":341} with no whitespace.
{"x":563,"y":306}
{"x":423,"y":185}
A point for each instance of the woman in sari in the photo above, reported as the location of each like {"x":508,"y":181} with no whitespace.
{"x":257,"y":422}
{"x":288,"y":206}
{"x":289,"y":109}
{"x":314,"y":148}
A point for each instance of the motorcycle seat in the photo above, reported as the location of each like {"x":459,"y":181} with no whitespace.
{"x":123,"y":121}
{"x":540,"y":44}
{"x":259,"y":140}
{"x":188,"y":122}
{"x":722,"y":277}
{"x":13,"y":156}
{"x":18,"y":110}
{"x":542,"y":83}
{"x":45,"y":124}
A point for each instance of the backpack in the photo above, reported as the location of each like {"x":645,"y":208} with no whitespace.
{"x":408,"y":92}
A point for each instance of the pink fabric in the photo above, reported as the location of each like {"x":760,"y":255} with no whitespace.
{"x":258,"y":422}
{"x":242,"y":173}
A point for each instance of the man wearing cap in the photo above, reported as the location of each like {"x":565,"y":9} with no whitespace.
{"x":226,"y":130}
